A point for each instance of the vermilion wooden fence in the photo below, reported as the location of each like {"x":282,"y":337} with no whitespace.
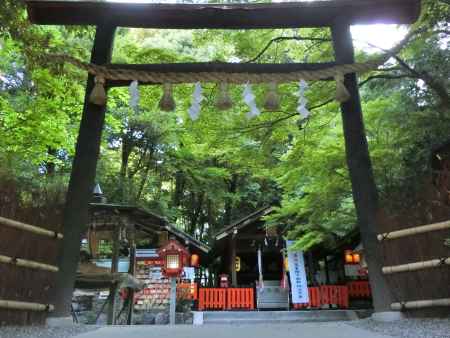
{"x":212,"y":298}
{"x":240,"y":298}
{"x":326,"y":295}
{"x":243,"y":298}
{"x":225,"y":298}
{"x":359,"y":289}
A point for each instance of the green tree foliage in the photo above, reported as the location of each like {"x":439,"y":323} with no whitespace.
{"x":204,"y":174}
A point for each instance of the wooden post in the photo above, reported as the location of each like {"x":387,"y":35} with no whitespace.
{"x":365,"y":194}
{"x":327,"y":271}
{"x":114,"y":268}
{"x":132,"y":271}
{"x":81,"y":180}
{"x":173,"y":300}
{"x":232,"y":262}
{"x":311,"y":269}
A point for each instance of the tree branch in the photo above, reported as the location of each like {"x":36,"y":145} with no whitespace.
{"x":286,"y":38}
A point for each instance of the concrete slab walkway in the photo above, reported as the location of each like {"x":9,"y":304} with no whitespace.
{"x":301,"y":330}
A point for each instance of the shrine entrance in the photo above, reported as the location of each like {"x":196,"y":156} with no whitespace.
{"x":338,"y":15}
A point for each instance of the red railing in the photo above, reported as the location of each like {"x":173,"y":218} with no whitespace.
{"x":240,"y":298}
{"x":359,"y":289}
{"x":225,"y":298}
{"x":326,"y":295}
{"x":212,"y":298}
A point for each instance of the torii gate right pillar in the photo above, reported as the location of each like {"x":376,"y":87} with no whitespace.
{"x":365,"y":194}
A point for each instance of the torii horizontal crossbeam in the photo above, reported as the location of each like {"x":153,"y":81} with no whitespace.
{"x":216,"y":67}
{"x":222,"y":16}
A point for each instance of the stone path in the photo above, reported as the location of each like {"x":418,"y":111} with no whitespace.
{"x":303,"y":330}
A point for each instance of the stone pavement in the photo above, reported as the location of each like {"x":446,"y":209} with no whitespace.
{"x":301,"y":330}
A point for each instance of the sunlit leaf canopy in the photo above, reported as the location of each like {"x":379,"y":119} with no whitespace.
{"x":204,"y":174}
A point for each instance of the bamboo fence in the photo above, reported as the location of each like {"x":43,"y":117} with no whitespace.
{"x":414,"y":231}
{"x":30,"y":228}
{"x":28,"y":263}
{"x":433,"y":263}
{"x":419,"y":304}
{"x":16,"y":305}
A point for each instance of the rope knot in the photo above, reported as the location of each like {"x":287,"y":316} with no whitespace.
{"x":342,"y":94}
{"x":98,"y":94}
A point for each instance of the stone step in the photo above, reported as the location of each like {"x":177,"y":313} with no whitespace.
{"x":248,"y":317}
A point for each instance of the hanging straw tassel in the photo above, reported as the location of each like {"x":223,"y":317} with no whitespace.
{"x":167,"y":102}
{"x":272,"y":102}
{"x":223,"y":99}
{"x":342,"y":94}
{"x":98,"y":94}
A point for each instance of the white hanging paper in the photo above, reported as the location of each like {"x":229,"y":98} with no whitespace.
{"x":197,"y":98}
{"x":302,"y":100}
{"x":133,"y":89}
{"x":249,"y":99}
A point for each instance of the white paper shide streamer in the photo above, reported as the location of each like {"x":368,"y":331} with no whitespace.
{"x":302,"y":100}
{"x":249,"y":99}
{"x":197,"y":98}
{"x":134,"y":95}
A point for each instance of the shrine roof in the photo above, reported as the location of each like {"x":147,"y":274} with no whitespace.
{"x":243,"y":222}
{"x":148,"y":221}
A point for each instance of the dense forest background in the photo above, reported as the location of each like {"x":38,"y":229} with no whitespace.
{"x":203,"y":174}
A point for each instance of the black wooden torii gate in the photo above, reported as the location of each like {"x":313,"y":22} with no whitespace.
{"x":338,"y":15}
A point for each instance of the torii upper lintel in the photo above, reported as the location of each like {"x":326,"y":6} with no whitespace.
{"x":222,"y":16}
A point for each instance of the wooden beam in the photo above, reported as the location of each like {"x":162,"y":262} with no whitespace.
{"x":223,"y":16}
{"x":364,"y":190}
{"x":81,"y":184}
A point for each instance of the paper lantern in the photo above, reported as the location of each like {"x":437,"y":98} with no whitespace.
{"x":173,"y":256}
{"x":286,"y":264}
{"x":238,"y":264}
{"x":351,"y":257}
{"x":195,"y":260}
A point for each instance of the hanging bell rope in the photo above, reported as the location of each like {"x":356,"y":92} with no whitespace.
{"x":223,"y":99}
{"x":342,"y":94}
{"x":167,"y":102}
{"x":272,"y":102}
{"x":98,"y":94}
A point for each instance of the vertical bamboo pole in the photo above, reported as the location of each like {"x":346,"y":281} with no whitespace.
{"x":365,"y":194}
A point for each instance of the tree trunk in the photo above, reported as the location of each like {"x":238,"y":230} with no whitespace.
{"x":232,"y":187}
{"x":365,"y":194}
{"x":82,"y":180}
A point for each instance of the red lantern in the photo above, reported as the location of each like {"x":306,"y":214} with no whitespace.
{"x":174,"y":257}
{"x":352,"y":257}
{"x":195,"y":260}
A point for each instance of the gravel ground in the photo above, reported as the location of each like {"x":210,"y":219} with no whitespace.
{"x":44,"y":332}
{"x":408,"y":328}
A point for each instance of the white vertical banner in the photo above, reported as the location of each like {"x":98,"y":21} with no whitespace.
{"x":261,"y":280}
{"x":297,"y":274}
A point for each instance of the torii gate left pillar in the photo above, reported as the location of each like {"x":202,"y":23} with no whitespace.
{"x":82,"y":178}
